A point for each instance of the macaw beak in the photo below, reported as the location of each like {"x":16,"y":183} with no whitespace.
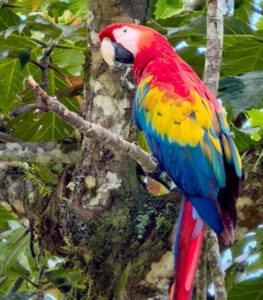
{"x":113,"y":52}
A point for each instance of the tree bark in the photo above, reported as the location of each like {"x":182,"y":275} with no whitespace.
{"x":37,"y":152}
{"x":201,"y":275}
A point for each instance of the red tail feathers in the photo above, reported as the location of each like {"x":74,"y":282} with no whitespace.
{"x":188,"y":244}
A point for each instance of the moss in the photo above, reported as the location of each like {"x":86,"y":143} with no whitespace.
{"x":120,"y":258}
{"x":120,"y":291}
{"x":93,"y":192}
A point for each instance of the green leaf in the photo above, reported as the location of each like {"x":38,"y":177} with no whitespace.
{"x":238,"y":247}
{"x":11,"y":250}
{"x":24,"y":6}
{"x":243,"y":55}
{"x":8,"y":281}
{"x":16,"y":42}
{"x":167,"y":8}
{"x":24,"y":57}
{"x":6,"y":215}
{"x":259,"y":23}
{"x":250,"y":289}
{"x":77,"y":7}
{"x":255,"y":117}
{"x":56,"y":9}
{"x":8,"y":18}
{"x":256,"y":265}
{"x":234,"y":26}
{"x":20,"y":296}
{"x":55,"y":30}
{"x":38,"y":126}
{"x":242,"y":92}
{"x":194,"y":59}
{"x":244,"y":10}
{"x":70,"y":66}
{"x":242,"y":140}
{"x":11,"y":82}
{"x":140,"y":138}
{"x":46,"y":27}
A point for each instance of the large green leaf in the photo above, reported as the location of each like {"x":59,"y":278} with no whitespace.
{"x":70,"y":66}
{"x":255,"y":117}
{"x":56,"y":31}
{"x":8,"y":281}
{"x":11,"y":81}
{"x":168,"y":8}
{"x":38,"y":126}
{"x":76,"y":7}
{"x":238,"y":247}
{"x":49,"y":29}
{"x":20,"y":296}
{"x":6,"y":215}
{"x":242,"y":140}
{"x":25,"y":6}
{"x":8,"y":18}
{"x":250,"y":289}
{"x":16,"y":42}
{"x":242,"y":92}
{"x":245,"y":55}
{"x":242,"y":52}
{"x":244,"y":10}
{"x":15,"y":245}
{"x":234,"y":26}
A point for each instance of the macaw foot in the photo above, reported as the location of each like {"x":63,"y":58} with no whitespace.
{"x":159,"y":175}
{"x":158,"y":171}
{"x":141,"y":173}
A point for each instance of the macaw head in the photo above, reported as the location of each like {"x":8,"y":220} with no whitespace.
{"x":128,"y":43}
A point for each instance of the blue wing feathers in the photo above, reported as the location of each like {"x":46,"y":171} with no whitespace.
{"x":198,"y":173}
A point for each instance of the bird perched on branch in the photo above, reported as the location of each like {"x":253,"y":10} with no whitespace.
{"x":188,"y":134}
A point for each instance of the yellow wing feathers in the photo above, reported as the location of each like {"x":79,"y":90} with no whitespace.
{"x":180,"y":120}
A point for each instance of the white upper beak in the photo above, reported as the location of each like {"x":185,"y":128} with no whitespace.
{"x":107,"y":51}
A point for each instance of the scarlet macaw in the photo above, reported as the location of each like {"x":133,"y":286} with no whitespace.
{"x":187,"y":132}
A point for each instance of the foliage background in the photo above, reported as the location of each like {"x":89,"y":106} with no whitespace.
{"x":27,"y":27}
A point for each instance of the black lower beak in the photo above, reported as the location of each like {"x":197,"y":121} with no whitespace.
{"x":122,"y":55}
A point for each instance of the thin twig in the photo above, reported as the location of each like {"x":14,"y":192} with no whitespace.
{"x":22,"y":109}
{"x":45,"y":63}
{"x":91,"y":129}
{"x":4,"y":137}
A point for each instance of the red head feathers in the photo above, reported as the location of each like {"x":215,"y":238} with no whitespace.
{"x":145,"y":44}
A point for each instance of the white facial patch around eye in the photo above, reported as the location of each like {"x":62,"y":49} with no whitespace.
{"x":128,"y":38}
{"x":107,"y":51}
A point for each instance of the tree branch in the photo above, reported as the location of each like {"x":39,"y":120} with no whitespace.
{"x":92,"y":130}
{"x":215,"y":34}
{"x":217,"y":273}
{"x":201,"y":275}
{"x":4,"y":137}
{"x":45,"y":63}
{"x":36,"y":152}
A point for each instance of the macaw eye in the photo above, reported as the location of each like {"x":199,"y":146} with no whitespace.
{"x":125,"y":30}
